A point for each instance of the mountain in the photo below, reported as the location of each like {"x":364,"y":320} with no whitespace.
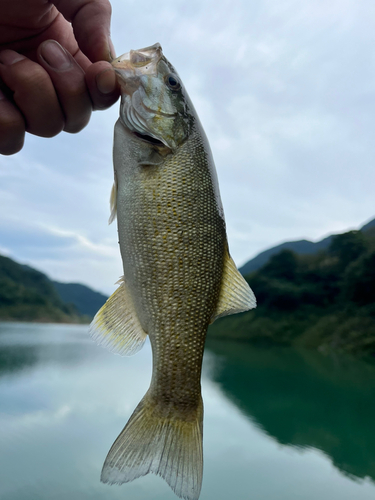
{"x":368,"y":226}
{"x":324,"y":300}
{"x":300,"y":247}
{"x":86,"y":300}
{"x":26,"y":294}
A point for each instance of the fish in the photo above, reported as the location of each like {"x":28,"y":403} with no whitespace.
{"x":178,"y":275}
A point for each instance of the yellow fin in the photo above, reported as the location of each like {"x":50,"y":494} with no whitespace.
{"x":235,"y":294}
{"x":166,"y":446}
{"x":113,"y":202}
{"x":116,"y":325}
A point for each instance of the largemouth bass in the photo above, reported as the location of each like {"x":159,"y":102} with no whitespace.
{"x":178,"y":274}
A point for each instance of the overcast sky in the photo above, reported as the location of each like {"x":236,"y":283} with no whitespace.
{"x":286,"y":93}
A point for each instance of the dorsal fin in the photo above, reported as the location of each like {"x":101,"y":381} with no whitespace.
{"x":235,"y":294}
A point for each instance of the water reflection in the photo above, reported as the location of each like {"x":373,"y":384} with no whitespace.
{"x":63,"y":400}
{"x":305,"y":399}
{"x":27,"y":345}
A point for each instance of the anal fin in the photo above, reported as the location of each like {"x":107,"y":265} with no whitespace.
{"x":116,"y":325}
{"x":235,"y":293}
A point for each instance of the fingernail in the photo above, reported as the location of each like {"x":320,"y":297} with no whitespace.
{"x":10,"y":57}
{"x":106,"y":81}
{"x":55,"y":56}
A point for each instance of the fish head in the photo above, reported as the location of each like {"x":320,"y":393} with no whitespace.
{"x":154,"y":103}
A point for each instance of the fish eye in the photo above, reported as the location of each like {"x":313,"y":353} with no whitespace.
{"x":172,"y":82}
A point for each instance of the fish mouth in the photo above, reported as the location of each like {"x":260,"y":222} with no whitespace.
{"x":137,"y":62}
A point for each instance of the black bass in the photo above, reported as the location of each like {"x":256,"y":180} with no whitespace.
{"x":178,"y":274}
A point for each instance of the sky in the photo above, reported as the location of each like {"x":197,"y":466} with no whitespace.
{"x":286,"y":93}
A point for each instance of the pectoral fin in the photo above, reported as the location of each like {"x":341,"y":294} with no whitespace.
{"x":113,"y":202}
{"x":235,"y":294}
{"x":116,"y":325}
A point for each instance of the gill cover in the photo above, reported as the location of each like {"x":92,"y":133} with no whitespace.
{"x":150,"y":105}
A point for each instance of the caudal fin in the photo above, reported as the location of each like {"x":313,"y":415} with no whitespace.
{"x":166,"y":446}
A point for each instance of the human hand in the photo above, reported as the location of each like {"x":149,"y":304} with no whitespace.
{"x":53,"y":73}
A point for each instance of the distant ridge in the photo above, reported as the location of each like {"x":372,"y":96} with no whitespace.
{"x":86,"y":300}
{"x":300,"y":247}
{"x":368,"y":226}
{"x":27,"y":294}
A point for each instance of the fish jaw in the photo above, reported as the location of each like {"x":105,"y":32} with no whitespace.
{"x":135,"y":63}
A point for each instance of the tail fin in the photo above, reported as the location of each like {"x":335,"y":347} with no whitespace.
{"x":166,"y":446}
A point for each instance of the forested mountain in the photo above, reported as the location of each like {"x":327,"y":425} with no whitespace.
{"x":29,"y":295}
{"x":299,"y":247}
{"x":86,"y":300}
{"x":324,"y":300}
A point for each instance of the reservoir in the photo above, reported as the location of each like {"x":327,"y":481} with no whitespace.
{"x":279,"y":424}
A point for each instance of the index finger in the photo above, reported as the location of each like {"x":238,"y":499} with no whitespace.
{"x":91,"y":25}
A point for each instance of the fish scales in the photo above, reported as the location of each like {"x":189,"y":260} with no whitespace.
{"x":173,"y":241}
{"x":178,"y":274}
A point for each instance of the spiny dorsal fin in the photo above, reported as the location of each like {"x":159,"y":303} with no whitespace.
{"x":235,"y":294}
{"x":116,"y":325}
{"x":113,"y":202}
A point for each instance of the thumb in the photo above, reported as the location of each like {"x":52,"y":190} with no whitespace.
{"x":91,"y":25}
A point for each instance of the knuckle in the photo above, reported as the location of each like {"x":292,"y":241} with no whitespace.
{"x":32,"y":78}
{"x":23,"y":74}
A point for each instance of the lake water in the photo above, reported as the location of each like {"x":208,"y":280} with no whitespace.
{"x":279,"y":424}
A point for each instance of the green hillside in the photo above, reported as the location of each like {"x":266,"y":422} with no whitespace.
{"x":86,"y":300}
{"x":325,"y":300}
{"x":28,"y":295}
{"x":300,"y":247}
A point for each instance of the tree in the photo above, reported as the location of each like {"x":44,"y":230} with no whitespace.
{"x":359,"y":281}
{"x":347,"y":247}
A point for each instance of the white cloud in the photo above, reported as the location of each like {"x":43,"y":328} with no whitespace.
{"x":285,"y":91}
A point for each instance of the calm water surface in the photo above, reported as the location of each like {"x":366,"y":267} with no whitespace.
{"x":279,"y":424}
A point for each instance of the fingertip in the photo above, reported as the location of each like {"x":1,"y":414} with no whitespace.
{"x":12,"y":128}
{"x":106,"y":81}
{"x":79,"y":124}
{"x":102,"y":84}
{"x":12,"y":148}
